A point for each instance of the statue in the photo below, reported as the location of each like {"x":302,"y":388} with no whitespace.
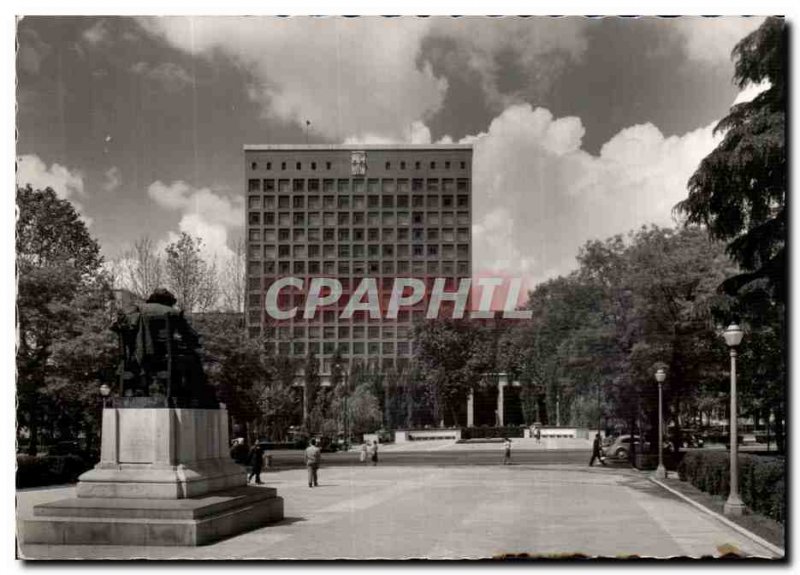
{"x":160,"y":355}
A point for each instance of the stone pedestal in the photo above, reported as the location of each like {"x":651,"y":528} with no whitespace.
{"x":165,"y":477}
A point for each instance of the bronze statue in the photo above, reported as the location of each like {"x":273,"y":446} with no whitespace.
{"x":160,"y":355}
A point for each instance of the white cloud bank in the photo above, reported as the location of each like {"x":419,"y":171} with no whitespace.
{"x":204,"y":214}
{"x":66,"y":183}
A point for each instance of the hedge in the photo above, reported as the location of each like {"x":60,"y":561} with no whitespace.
{"x":491,"y":432}
{"x":762,"y":483}
{"x":37,"y":470}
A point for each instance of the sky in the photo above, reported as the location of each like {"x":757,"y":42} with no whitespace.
{"x":583,"y":128}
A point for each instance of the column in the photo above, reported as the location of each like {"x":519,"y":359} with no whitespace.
{"x":501,"y":384}
{"x":471,"y":409}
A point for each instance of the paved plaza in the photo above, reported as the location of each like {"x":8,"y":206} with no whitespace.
{"x":453,"y":512}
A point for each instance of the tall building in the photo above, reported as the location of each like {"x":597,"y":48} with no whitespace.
{"x":353,"y":212}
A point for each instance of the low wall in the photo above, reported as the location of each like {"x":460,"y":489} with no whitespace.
{"x":560,"y":433}
{"x":402,"y":435}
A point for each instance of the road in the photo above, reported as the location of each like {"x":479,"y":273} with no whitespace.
{"x":294,"y":459}
{"x":452,"y":512}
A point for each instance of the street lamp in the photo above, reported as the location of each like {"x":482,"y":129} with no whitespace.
{"x":661,"y":471}
{"x":105,"y":390}
{"x":734,"y":505}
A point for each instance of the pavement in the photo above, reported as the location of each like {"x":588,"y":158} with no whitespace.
{"x":451,"y":512}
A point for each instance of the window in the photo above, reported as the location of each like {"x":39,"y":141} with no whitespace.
{"x":328,"y":251}
{"x":447,"y":165}
{"x":373,"y":219}
{"x":298,"y":202}
{"x":299,"y":219}
{"x":344,"y":202}
{"x":447,"y":219}
{"x":433,"y":202}
{"x":343,"y":218}
{"x":389,"y":186}
{"x":298,"y":185}
{"x":358,"y":251}
{"x":254,"y":202}
{"x":299,"y":235}
{"x":387,"y":201}
{"x":313,"y":252}
{"x":463,"y":165}
{"x":253,"y":166}
{"x":313,"y":185}
{"x":463,"y":218}
{"x":433,"y":185}
{"x":269,"y":219}
{"x":284,"y":251}
{"x":373,"y":201}
{"x":416,"y":165}
{"x":402,"y":218}
{"x":402,"y":233}
{"x":299,"y":267}
{"x":254,"y":235}
{"x":283,"y":185}
{"x":433,"y":250}
{"x":418,"y":234}
{"x":388,"y":234}
{"x":463,"y":185}
{"x":433,"y":165}
{"x":402,"y":201}
{"x":447,"y":201}
{"x":313,"y":234}
{"x":329,"y":219}
{"x":433,"y":218}
{"x":344,"y":251}
{"x":373,"y":234}
{"x":254,"y":218}
{"x":313,"y":165}
{"x":416,"y":218}
{"x":314,"y":218}
{"x":417,"y":251}
{"x":359,"y":186}
{"x":417,"y":184}
{"x":463,"y":234}
{"x":388,"y":166}
{"x":327,"y":235}
{"x":283,"y":165}
{"x":433,"y":235}
{"x":328,"y":186}
{"x":463,"y":250}
{"x":448,"y":235}
{"x":463,"y":201}
{"x":373,"y":251}
{"x":298,"y":166}
{"x":269,"y":252}
{"x":388,"y":251}
{"x":387,"y":218}
{"x":402,"y":165}
{"x":402,"y":252}
{"x":359,"y":219}
{"x":283,"y":202}
{"x":447,"y":185}
{"x":358,"y":235}
{"x":402,"y":186}
{"x":269,"y":185}
{"x":343,"y":186}
{"x":358,"y":202}
{"x":269,"y":202}
{"x":372,"y":185}
{"x":329,"y":202}
{"x":313,"y":203}
{"x":387,"y":268}
{"x":254,"y":186}
{"x":327,"y":165}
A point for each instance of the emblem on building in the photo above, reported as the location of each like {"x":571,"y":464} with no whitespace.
{"x":358,"y":163}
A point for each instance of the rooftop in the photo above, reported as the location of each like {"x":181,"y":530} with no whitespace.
{"x":355,"y":147}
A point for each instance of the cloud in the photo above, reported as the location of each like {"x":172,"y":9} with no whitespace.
{"x":113,"y":179}
{"x":751,"y":91}
{"x":711,"y":40}
{"x":537,"y":49}
{"x":32,"y":50}
{"x":66,"y":183}
{"x":96,"y":33}
{"x":348,"y":76}
{"x":538,"y":196}
{"x":204,"y":214}
{"x":171,"y":76}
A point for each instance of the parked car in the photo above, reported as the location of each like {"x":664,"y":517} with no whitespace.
{"x":621,"y":447}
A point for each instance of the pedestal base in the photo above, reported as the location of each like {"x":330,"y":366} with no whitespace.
{"x":734,"y":507}
{"x":120,"y":521}
{"x":660,"y":472}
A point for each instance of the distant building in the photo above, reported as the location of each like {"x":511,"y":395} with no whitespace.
{"x":352,"y":212}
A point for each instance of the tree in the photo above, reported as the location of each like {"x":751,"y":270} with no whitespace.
{"x":193,"y":280}
{"x":141,"y":268}
{"x":56,"y":261}
{"x":739,"y":190}
{"x":232,"y":281}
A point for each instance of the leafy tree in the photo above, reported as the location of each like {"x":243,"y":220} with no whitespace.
{"x":56,"y":261}
{"x":141,"y":268}
{"x":193,"y":280}
{"x":739,"y":190}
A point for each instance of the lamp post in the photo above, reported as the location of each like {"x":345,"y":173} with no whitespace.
{"x":734,"y":505}
{"x":661,"y":471}
{"x":105,"y":390}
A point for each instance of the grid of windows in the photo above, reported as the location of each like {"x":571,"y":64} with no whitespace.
{"x":382,"y":225}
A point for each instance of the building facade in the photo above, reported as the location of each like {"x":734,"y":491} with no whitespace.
{"x":353,"y":212}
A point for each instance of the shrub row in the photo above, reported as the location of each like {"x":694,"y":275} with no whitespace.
{"x":36,"y":470}
{"x":762,"y":479}
{"x":491,"y":432}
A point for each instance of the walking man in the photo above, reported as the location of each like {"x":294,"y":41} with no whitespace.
{"x":538,"y":435}
{"x":313,"y":457}
{"x":256,"y":462}
{"x":364,"y":450}
{"x":597,"y":452}
{"x":375,"y":452}
{"x":507,"y":451}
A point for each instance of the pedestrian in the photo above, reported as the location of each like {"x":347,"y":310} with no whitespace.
{"x":506,"y":451}
{"x":364,"y":450}
{"x":375,"y":452}
{"x":256,"y":462}
{"x":239,"y":451}
{"x":597,"y":452}
{"x":313,"y":457}
{"x":538,"y":435}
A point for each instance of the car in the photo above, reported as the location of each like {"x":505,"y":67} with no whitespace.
{"x":621,"y":447}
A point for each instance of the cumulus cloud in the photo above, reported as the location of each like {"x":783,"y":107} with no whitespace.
{"x":96,"y":33}
{"x":348,"y":76}
{"x":204,"y":214}
{"x":711,"y":40}
{"x":171,"y":76}
{"x":113,"y":179}
{"x":66,"y":183}
{"x":32,"y":50}
{"x":538,"y":48}
{"x":538,"y":196}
